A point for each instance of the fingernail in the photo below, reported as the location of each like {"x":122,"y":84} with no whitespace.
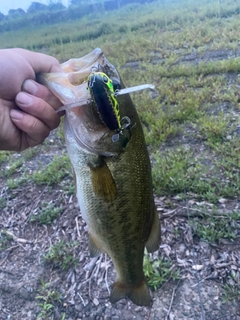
{"x":16,"y":114}
{"x":23,"y":99}
{"x":29,"y":86}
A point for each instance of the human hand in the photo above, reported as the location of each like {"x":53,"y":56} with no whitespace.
{"x":27,"y":109}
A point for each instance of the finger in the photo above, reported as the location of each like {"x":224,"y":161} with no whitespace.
{"x":38,"y":108}
{"x":42,"y":92}
{"x":40,"y":62}
{"x":35,"y":130}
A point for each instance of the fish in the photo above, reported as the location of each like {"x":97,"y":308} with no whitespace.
{"x":111,"y":169}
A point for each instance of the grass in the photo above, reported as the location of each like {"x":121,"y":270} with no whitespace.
{"x":47,"y":299}
{"x":5,"y":240}
{"x":159,"y":271}
{"x":54,"y":172}
{"x":214,"y":227}
{"x":62,"y":255}
{"x":232,"y":291}
{"x":46,"y":214}
{"x":4,"y":156}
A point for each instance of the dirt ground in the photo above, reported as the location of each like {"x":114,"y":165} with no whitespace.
{"x":84,"y":288}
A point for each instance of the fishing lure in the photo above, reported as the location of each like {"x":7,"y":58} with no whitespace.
{"x":103,"y":97}
{"x":117,"y":92}
{"x":103,"y":94}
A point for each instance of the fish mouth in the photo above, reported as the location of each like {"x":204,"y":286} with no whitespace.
{"x":84,"y":123}
{"x":69,"y":86}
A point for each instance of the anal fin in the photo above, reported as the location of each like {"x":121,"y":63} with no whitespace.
{"x":138,"y":294}
{"x":154,"y":238}
{"x":103,"y":183}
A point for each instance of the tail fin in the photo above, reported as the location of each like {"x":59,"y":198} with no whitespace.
{"x":138,"y":294}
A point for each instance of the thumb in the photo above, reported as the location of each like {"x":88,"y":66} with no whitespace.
{"x":40,"y":62}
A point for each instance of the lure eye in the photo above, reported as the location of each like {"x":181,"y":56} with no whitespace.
{"x":105,"y":79}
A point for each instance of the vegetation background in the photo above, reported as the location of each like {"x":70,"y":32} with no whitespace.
{"x":190,"y":51}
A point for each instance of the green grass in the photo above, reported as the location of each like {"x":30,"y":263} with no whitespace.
{"x":5,"y":240}
{"x":3,"y":203}
{"x":213,"y":128}
{"x":159,"y":271}
{"x":62,"y":255}
{"x":214,"y":227}
{"x":47,"y":299}
{"x":54,"y":172}
{"x":4,"y":156}
{"x":46,"y":214}
{"x":231,"y":287}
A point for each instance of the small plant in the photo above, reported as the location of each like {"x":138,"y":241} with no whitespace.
{"x":46,"y":214}
{"x":62,"y":255}
{"x":213,"y":227}
{"x":15,"y":183}
{"x":54,"y":172}
{"x":47,"y":299}
{"x":232,"y":287}
{"x":15,"y":164}
{"x":4,"y":156}
{"x":213,"y":128}
{"x":159,"y":271}
{"x":175,"y":172}
{"x":5,"y":240}
{"x":231,"y":293}
{"x":3,"y":203}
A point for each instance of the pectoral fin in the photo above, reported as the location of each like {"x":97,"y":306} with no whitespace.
{"x":93,"y":247}
{"x":154,"y":238}
{"x":103,"y":183}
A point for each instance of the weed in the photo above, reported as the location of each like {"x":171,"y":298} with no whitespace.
{"x":62,"y":255}
{"x":68,"y":187}
{"x":47,"y":300}
{"x":213,"y":227}
{"x":46,"y":214}
{"x":175,"y":171}
{"x":231,"y":293}
{"x":12,"y":183}
{"x":5,"y":240}
{"x":4,"y":156}
{"x":3,"y":203}
{"x":54,"y":172}
{"x":14,"y":166}
{"x":159,"y":271}
{"x":213,"y":128}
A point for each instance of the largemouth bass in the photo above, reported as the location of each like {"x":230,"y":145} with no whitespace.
{"x":111,"y":168}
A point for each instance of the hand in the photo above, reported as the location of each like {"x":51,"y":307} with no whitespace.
{"x":27,"y":109}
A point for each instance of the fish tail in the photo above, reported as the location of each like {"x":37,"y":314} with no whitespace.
{"x":138,"y":294}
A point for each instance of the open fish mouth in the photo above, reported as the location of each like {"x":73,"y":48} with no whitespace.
{"x":89,"y":88}
{"x":70,"y":85}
